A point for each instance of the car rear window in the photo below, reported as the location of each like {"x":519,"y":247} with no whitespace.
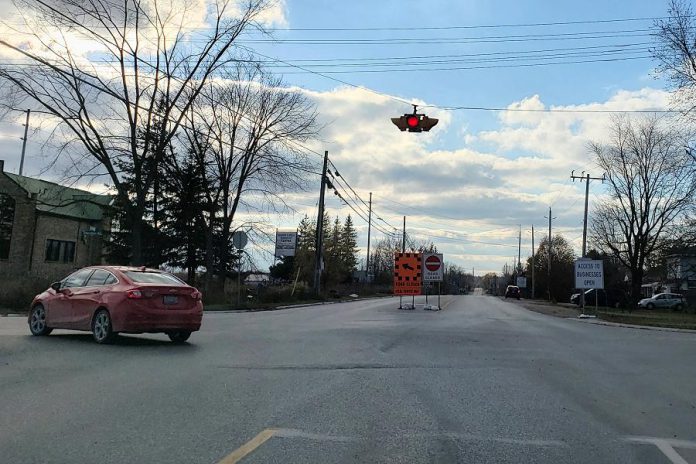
{"x":145,"y":277}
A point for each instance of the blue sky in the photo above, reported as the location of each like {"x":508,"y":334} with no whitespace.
{"x":479,"y":174}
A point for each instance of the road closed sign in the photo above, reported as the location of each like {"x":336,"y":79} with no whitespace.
{"x":433,"y":267}
{"x":589,"y":273}
{"x":407,"y":274}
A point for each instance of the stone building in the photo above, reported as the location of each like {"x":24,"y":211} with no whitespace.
{"x":47,"y":229}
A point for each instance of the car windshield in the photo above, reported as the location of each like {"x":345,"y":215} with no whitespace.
{"x":149,"y":277}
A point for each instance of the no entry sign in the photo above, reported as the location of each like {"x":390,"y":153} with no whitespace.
{"x":433,"y":267}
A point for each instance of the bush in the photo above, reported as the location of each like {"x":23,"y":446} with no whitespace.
{"x":16,"y":293}
{"x":282,"y":294}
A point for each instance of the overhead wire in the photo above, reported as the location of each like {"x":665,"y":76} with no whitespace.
{"x":479,"y":26}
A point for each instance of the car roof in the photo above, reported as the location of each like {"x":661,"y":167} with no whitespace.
{"x":126,"y":268}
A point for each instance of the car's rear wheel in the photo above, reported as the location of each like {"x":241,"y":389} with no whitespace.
{"x":679,"y":307}
{"x":37,"y":321}
{"x":102,"y":331}
{"x":179,"y":336}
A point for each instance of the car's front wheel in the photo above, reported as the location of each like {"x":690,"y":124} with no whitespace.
{"x":102,"y":331}
{"x":37,"y":321}
{"x":650,"y":306}
{"x":179,"y":336}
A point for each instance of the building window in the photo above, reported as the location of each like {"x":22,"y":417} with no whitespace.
{"x":60,"y":251}
{"x":7,"y":213}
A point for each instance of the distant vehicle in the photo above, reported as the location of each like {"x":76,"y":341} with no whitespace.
{"x":663,"y":300}
{"x":107,"y":300}
{"x":512,"y":291}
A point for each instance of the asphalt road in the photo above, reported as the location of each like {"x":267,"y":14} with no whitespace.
{"x":483,"y":381}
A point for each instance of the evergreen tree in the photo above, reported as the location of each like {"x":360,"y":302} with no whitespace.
{"x":304,"y":252}
{"x":333,"y":267}
{"x":181,"y":203}
{"x":349,"y":248}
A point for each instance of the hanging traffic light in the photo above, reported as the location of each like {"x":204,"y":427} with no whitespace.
{"x":414,"y":122}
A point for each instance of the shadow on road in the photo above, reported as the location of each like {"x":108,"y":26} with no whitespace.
{"x":119,"y":341}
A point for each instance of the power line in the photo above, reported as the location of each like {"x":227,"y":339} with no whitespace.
{"x":424,"y":28}
{"x":480,"y":26}
{"x":400,"y":100}
{"x":472,"y":58}
{"x":467,"y":68}
{"x":362,"y":211}
{"x":579,"y":35}
{"x":353,"y":61}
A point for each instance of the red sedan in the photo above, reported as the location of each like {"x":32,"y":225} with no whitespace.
{"x":107,"y":300}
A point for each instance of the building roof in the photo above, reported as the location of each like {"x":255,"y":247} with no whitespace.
{"x":64,"y":201}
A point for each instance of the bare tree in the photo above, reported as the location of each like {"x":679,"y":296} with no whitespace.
{"x":676,"y":52}
{"x":146,"y":61}
{"x":245,"y":133}
{"x":651,"y":186}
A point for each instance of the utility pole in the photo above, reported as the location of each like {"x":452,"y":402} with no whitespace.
{"x":549,"y":251}
{"x":319,"y":240}
{"x":533,"y":252}
{"x":519,"y":251}
{"x":24,"y":143}
{"x":587,"y":178}
{"x":403,"y":238}
{"x":369,"y":229}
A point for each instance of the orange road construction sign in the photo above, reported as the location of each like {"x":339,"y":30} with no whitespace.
{"x":407,"y":273}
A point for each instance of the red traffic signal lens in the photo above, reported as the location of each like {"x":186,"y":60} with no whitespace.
{"x":412,"y":121}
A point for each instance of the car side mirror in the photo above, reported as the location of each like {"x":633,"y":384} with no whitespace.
{"x":56,"y":286}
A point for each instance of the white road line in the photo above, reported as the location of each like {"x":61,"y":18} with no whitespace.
{"x":296,"y":433}
{"x":667,"y":446}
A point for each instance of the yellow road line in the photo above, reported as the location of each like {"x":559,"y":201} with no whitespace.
{"x":241,"y":452}
{"x":448,"y":303}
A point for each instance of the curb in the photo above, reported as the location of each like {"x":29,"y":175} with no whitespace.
{"x":632,"y":326}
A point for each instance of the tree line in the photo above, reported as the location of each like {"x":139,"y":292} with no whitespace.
{"x":339,"y":253}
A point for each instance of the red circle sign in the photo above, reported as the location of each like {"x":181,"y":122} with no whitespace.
{"x":432,"y":263}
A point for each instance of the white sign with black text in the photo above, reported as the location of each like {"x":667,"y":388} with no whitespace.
{"x":285,"y":243}
{"x":589,"y":273}
{"x":433,"y":267}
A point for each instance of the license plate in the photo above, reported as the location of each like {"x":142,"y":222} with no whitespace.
{"x":170,"y":299}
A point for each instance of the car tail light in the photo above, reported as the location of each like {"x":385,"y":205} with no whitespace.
{"x":134,"y":294}
{"x":196,"y":295}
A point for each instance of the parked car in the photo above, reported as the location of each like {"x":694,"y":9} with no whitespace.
{"x":107,"y":300}
{"x":512,"y":291}
{"x":591,"y":294}
{"x":663,"y":300}
{"x":610,"y":298}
